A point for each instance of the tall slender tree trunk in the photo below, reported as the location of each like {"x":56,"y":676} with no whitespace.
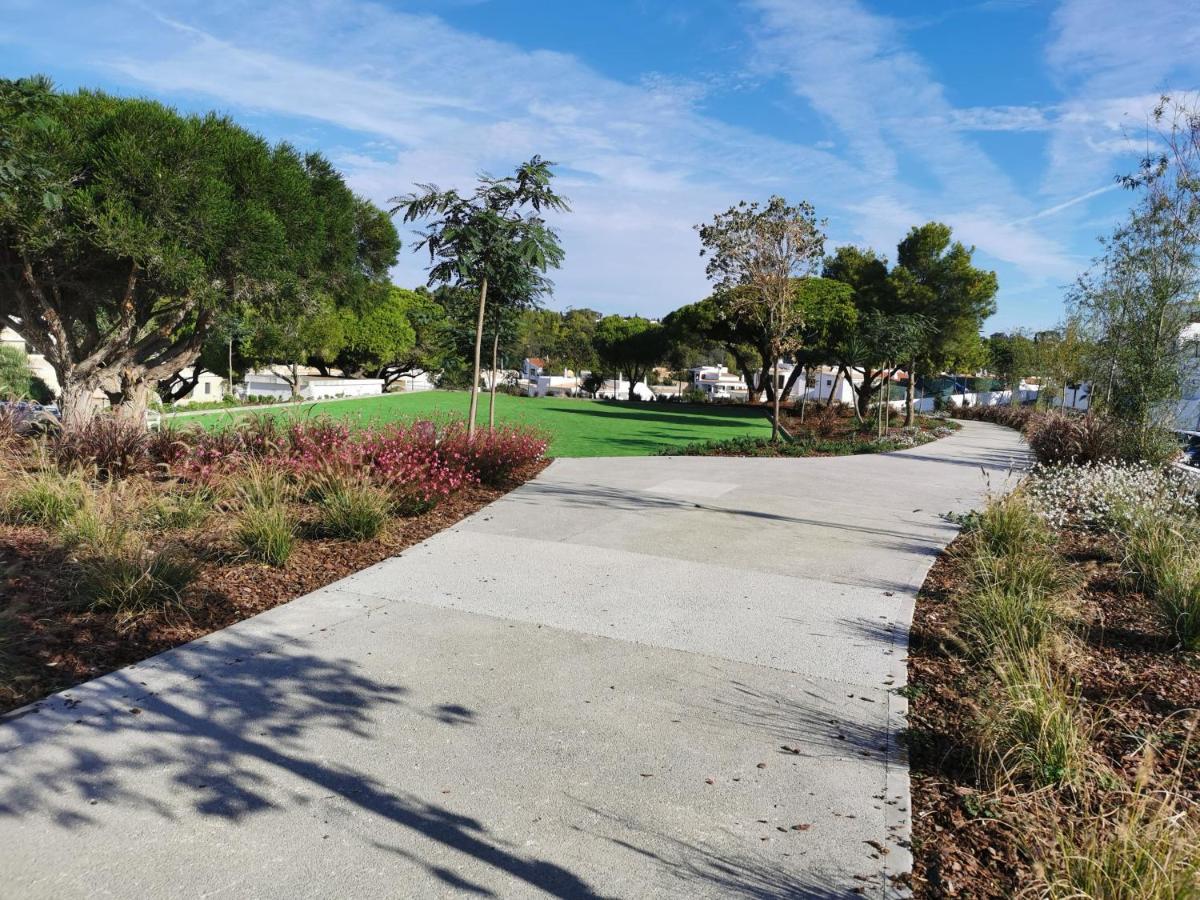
{"x":775,"y":399}
{"x":879,"y":410}
{"x":910,"y":397}
{"x":295,"y":383}
{"x":474,"y":405}
{"x":804,"y":396}
{"x":492,"y":399}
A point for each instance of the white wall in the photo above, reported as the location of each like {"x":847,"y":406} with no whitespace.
{"x":325,"y":389}
{"x":260,"y":385}
{"x":420,"y":382}
{"x":216,"y":390}
{"x":983,"y":398}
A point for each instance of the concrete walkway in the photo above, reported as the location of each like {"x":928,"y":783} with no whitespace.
{"x":629,"y":678}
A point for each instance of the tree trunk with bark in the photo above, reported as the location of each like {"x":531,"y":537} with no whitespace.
{"x":835,"y":389}
{"x":910,"y":397}
{"x":492,"y":398}
{"x":796,"y":372}
{"x":775,"y":417}
{"x":474,"y":405}
{"x":76,"y":403}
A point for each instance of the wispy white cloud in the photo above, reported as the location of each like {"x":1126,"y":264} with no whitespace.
{"x":1113,"y":59}
{"x":397,"y":97}
{"x":852,"y":66}
{"x":640,"y":163}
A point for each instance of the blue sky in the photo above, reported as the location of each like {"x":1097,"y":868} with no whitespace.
{"x":1007,"y":119}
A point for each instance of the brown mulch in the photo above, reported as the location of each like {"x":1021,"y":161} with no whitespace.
{"x":969,"y":842}
{"x":53,"y":644}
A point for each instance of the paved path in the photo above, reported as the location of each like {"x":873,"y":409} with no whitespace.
{"x":585,"y":690}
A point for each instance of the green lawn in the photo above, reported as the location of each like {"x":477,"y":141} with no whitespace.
{"x":576,"y":427}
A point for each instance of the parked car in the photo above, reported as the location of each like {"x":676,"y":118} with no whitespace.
{"x":30,"y":417}
{"x":1191,"y":447}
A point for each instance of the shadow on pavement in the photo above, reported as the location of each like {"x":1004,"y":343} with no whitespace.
{"x":703,"y":869}
{"x":231,"y":739}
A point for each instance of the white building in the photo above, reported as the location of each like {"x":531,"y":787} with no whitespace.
{"x":823,"y":384}
{"x":719,"y":383}
{"x":553,"y":386}
{"x":420,"y":381}
{"x":209,"y":388}
{"x":618,"y":389}
{"x":311,"y":387}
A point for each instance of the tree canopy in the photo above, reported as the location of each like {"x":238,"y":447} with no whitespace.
{"x":754,"y":252}
{"x":630,"y":345}
{"x":131,"y":227}
{"x":494,"y":236}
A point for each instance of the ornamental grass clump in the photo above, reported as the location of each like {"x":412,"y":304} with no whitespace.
{"x":265,"y":534}
{"x":1006,"y":621}
{"x":264,"y":528}
{"x":1010,"y":525}
{"x":43,"y":497}
{"x":1142,"y":844}
{"x":113,"y":448}
{"x":348,"y":505}
{"x":1164,"y":558}
{"x":1035,"y":731}
{"x":1058,"y":438}
{"x":1018,"y":594}
{"x":119,"y":570}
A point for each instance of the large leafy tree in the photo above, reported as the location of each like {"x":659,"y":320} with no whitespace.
{"x":377,"y":331}
{"x":494,"y":235}
{"x":936,"y":279}
{"x":754,"y":252}
{"x":829,"y":316}
{"x":285,"y":343}
{"x":1011,"y":356}
{"x":630,"y":345}
{"x":695,"y":328}
{"x":874,"y":300}
{"x":577,"y":340}
{"x":127,"y":228}
{"x":422,"y":345}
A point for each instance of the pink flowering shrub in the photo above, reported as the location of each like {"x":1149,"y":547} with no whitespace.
{"x":493,"y":456}
{"x":418,"y":463}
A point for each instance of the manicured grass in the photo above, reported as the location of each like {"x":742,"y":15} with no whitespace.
{"x":576,"y":427}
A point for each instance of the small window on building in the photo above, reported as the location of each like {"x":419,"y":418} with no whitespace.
{"x":208,"y":387}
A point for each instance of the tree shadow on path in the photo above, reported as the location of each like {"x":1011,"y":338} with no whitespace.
{"x":228,"y":737}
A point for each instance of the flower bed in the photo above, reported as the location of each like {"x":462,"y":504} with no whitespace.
{"x":1060,"y":438}
{"x":825,"y":431}
{"x":116,"y":544}
{"x":1054,"y":680}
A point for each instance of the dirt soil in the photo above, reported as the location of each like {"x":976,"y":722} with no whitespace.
{"x":971,"y":842}
{"x":48,"y":643}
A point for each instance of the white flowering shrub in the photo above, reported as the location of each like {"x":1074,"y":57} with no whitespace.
{"x":1106,"y":495}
